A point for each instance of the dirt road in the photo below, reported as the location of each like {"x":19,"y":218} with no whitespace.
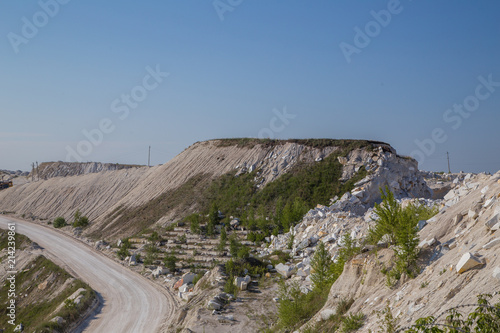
{"x":130,"y":302}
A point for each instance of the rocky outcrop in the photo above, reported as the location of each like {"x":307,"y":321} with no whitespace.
{"x":48,"y":170}
{"x":459,"y":259}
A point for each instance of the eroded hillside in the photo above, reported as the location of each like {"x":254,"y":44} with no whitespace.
{"x":113,"y":200}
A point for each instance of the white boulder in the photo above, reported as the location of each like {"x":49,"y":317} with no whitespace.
{"x":242,"y":283}
{"x":285,"y":270}
{"x":468,"y":261}
{"x":491,"y":244}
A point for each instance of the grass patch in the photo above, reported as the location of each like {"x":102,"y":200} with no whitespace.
{"x":36,"y":310}
{"x":21,"y":241}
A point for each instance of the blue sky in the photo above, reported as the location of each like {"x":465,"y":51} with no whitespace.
{"x":231,"y":77}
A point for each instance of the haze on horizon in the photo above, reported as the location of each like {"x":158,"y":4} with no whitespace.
{"x":95,"y":81}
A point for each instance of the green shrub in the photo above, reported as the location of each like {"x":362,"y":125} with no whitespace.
{"x":154,"y":237}
{"x":59,"y":222}
{"x":251,"y":236}
{"x":124,"y":249}
{"x":151,"y":254}
{"x":79,"y":220}
{"x":353,"y":322}
{"x":194,"y":223}
{"x":182,"y":239}
{"x":485,"y":318}
{"x":243,"y":252}
{"x":295,"y":308}
{"x":399,"y":226}
{"x":230,"y":287}
{"x":170,"y":261}
{"x":283,"y":257}
{"x":234,"y":245}
{"x":213,"y":219}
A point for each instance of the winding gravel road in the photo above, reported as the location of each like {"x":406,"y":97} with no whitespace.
{"x":131,"y":303}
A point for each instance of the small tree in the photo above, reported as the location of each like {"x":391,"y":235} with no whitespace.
{"x":399,"y":225}
{"x":234,"y":245}
{"x":194,"y":223}
{"x":170,"y":261}
{"x":222,"y":242}
{"x":243,"y":252}
{"x":406,"y":237}
{"x":213,"y":219}
{"x":321,"y":264}
{"x":349,"y":248}
{"x":291,"y":306}
{"x":388,"y":212}
{"x":59,"y":222}
{"x":151,"y":254}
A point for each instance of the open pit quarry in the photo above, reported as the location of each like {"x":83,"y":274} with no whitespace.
{"x":458,"y":247}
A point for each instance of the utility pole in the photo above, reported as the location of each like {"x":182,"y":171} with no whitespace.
{"x":448,"y":156}
{"x":149,"y":156}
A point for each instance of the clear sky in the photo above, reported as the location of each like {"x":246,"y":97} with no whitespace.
{"x":423,"y":76}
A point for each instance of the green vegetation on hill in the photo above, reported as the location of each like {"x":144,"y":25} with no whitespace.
{"x":485,"y":318}
{"x":284,"y":201}
{"x":273,"y":208}
{"x":313,"y":143}
{"x":296,"y":308}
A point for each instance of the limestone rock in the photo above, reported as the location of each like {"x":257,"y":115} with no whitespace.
{"x":185,"y":288}
{"x":489,"y":202}
{"x":160,"y":271}
{"x":472,"y":214}
{"x":285,"y":270}
{"x":132,"y":261}
{"x":327,"y":313}
{"x":214,"y":305}
{"x":427,"y":243}
{"x":468,"y":261}
{"x":493,"y":223}
{"x":496,"y":273}
{"x":421,"y":224}
{"x":491,"y":244}
{"x":242,"y":283}
{"x":58,"y":320}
